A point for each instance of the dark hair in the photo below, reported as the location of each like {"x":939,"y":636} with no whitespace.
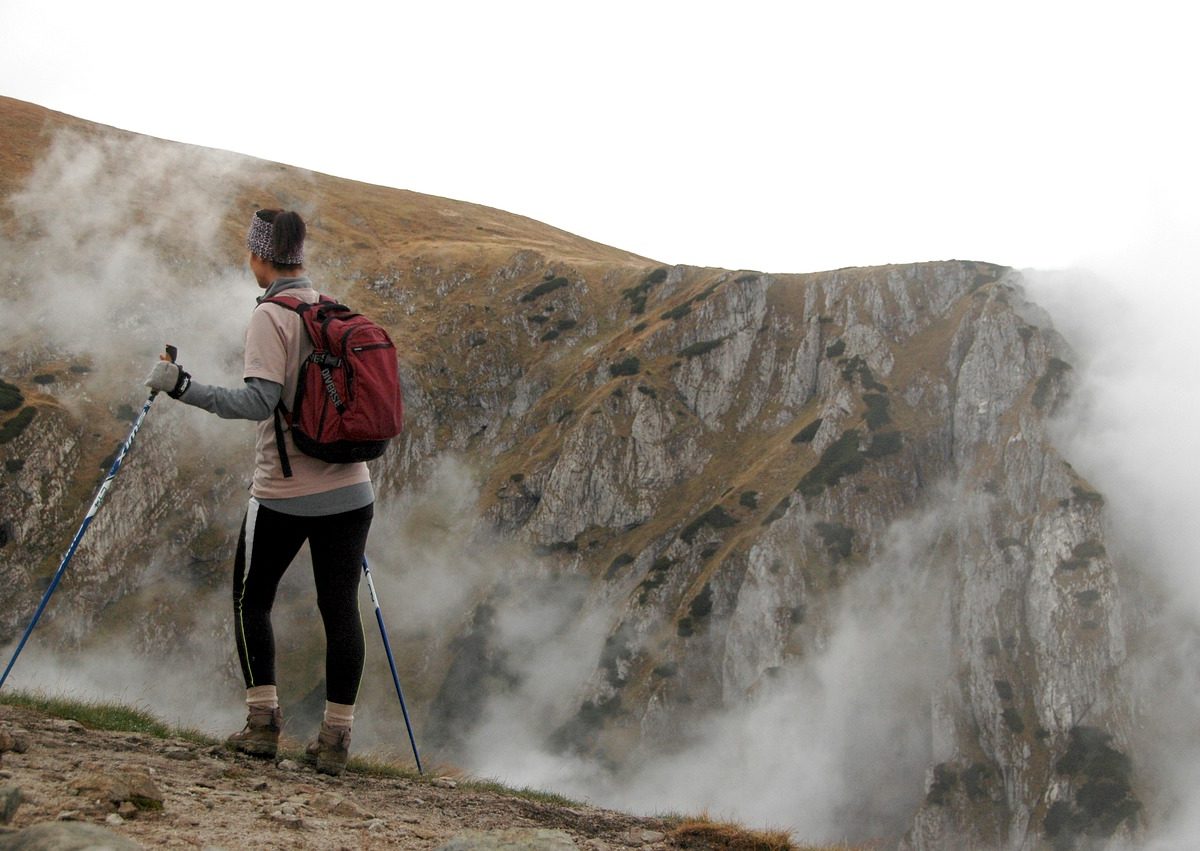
{"x":287,"y":235}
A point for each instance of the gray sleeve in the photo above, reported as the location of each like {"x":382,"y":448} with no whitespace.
{"x":255,"y":400}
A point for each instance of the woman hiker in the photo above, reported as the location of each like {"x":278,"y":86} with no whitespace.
{"x":328,"y":505}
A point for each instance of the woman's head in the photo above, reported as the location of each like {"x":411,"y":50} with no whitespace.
{"x":277,"y":237}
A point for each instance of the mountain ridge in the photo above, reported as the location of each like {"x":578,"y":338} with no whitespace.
{"x":645,"y":500}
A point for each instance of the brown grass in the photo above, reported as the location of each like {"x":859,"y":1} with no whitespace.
{"x":704,"y":834}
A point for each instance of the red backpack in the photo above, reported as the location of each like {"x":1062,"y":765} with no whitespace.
{"x":348,"y":403}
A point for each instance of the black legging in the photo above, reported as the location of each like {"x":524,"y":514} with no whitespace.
{"x":336,"y":542}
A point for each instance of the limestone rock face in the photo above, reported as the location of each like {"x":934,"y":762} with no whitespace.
{"x":719,"y":455}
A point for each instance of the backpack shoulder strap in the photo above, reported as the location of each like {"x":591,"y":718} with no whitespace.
{"x":284,"y":463}
{"x":301,"y":308}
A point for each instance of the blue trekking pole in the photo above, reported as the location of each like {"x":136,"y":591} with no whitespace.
{"x":172,"y":352}
{"x":387,"y":647}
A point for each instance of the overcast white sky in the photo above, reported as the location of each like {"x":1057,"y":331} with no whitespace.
{"x":785,"y":137}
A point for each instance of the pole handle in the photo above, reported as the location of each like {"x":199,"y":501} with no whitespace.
{"x":172,"y":353}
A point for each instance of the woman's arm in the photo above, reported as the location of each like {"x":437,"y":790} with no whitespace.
{"x":253,"y":401}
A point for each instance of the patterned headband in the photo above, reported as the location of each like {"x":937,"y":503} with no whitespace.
{"x":259,"y":241}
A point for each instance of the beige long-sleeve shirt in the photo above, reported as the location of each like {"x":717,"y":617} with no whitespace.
{"x":276,"y":344}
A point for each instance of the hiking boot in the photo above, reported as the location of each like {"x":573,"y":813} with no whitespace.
{"x":331,"y":749}
{"x":261,"y":734}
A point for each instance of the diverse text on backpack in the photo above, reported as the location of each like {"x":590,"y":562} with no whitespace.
{"x":348,"y":402}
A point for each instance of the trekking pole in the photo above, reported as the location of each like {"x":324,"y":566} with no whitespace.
{"x":387,"y":648}
{"x":172,"y":352}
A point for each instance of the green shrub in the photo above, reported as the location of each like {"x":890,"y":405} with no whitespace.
{"x":544,"y":288}
{"x":806,"y":434}
{"x":618,"y":648}
{"x":10,"y":396}
{"x":702,"y":604}
{"x":565,"y":324}
{"x":647,"y":390}
{"x":573,"y":735}
{"x":45,"y":378}
{"x":884,"y":443}
{"x":1081,"y":554}
{"x":1086,"y":497}
{"x":665,"y":671}
{"x":1012,"y":720}
{"x":655,"y":577}
{"x":636,"y":296}
{"x":629,"y":366}
{"x":836,"y":349}
{"x":684,"y":309}
{"x":838,"y":539}
{"x":695,"y":350}
{"x":17,"y":424}
{"x":14,"y":465}
{"x":617,"y":563}
{"x":945,"y":778}
{"x":843,"y":458}
{"x":748,"y":499}
{"x":715,"y":518}
{"x":552,"y":334}
{"x":778,"y":511}
{"x":857,"y":367}
{"x":1104,"y":798}
{"x":976,"y":780}
{"x":877,"y":410}
{"x":1054,"y":370}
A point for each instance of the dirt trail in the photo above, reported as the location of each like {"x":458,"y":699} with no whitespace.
{"x":214,"y":799}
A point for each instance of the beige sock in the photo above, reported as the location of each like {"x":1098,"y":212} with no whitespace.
{"x":339,"y":715}
{"x":262,"y":697}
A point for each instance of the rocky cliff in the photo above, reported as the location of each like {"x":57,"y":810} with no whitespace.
{"x":825,"y":506}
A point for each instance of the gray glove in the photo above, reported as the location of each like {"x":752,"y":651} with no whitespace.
{"x":169,"y":378}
